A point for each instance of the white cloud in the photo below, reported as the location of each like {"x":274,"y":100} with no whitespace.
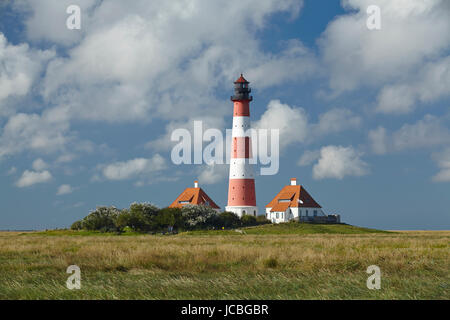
{"x":308,"y":157}
{"x":19,"y":68}
{"x":428,"y":132}
{"x":44,"y":133}
{"x":432,"y":84}
{"x":134,"y":168}
{"x":338,"y":162}
{"x":292,"y":122}
{"x":11,"y":171}
{"x":295,"y":128}
{"x":30,"y":178}
{"x":46,"y":20}
{"x":336,"y":120}
{"x":443,"y":162}
{"x":164,"y":142}
{"x":64,"y":189}
{"x":65,"y":158}
{"x":412,"y":33}
{"x":173,"y":56}
{"x":213,"y":173}
{"x":39,"y":164}
{"x":378,"y":140}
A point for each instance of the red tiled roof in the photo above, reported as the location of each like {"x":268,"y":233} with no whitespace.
{"x":280,"y":207}
{"x":194,"y":196}
{"x":241,"y":80}
{"x":294,"y":194}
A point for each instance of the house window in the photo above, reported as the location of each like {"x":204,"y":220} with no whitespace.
{"x":254,"y":213}
{"x":306,"y":212}
{"x":277,"y":215}
{"x":300,"y":213}
{"x":315,"y":213}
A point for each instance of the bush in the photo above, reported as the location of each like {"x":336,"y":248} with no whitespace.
{"x":170,"y":217}
{"x":199,"y":216}
{"x":102,"y":219}
{"x":77,"y":225}
{"x":228,"y":220}
{"x":262,"y":220}
{"x":140,"y":217}
{"x":248,"y":220}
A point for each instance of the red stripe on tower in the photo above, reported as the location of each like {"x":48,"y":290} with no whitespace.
{"x":241,"y":189}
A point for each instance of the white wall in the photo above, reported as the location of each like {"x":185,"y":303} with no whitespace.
{"x":291,"y":214}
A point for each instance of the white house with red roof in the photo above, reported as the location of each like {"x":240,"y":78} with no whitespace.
{"x":293,"y":202}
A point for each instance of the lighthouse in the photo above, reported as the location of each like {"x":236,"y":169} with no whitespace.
{"x":241,"y":188}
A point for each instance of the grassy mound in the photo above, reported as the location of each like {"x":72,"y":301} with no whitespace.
{"x":308,"y":228}
{"x":275,"y":229}
{"x":291,"y":228}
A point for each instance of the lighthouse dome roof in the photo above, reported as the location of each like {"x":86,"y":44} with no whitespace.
{"x":241,"y":79}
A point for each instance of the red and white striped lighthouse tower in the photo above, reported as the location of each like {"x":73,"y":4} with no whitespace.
{"x":241,"y":189}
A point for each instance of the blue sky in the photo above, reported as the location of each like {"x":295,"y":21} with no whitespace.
{"x":86,"y":115}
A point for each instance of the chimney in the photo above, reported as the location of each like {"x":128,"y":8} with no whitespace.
{"x":195,"y":184}
{"x":293,"y":181}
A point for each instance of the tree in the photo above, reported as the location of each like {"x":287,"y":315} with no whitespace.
{"x":102,"y":219}
{"x":229,"y":220}
{"x":77,"y":225}
{"x":170,"y":217}
{"x":199,"y":216}
{"x":261,"y":219}
{"x":140,"y":217}
{"x":248,"y":220}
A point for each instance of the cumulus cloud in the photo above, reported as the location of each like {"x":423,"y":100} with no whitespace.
{"x":414,"y":33}
{"x":173,"y":56}
{"x":30,"y":178}
{"x":308,"y":157}
{"x":44,"y":133}
{"x":378,"y":139}
{"x":428,"y":132}
{"x":11,"y":171}
{"x":338,"y":162}
{"x":64,"y":189}
{"x":357,"y":55}
{"x":295,"y":127}
{"x":443,"y":161}
{"x":134,"y":168}
{"x":336,"y":120}
{"x":432,"y":84}
{"x":213,"y":173}
{"x":19,"y":68}
{"x":46,"y":20}
{"x":39,"y":164}
{"x":292,"y":122}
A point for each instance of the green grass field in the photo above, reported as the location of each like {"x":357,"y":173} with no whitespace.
{"x":289,"y":261}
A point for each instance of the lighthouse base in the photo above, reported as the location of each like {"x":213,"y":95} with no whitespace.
{"x":243,"y":210}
